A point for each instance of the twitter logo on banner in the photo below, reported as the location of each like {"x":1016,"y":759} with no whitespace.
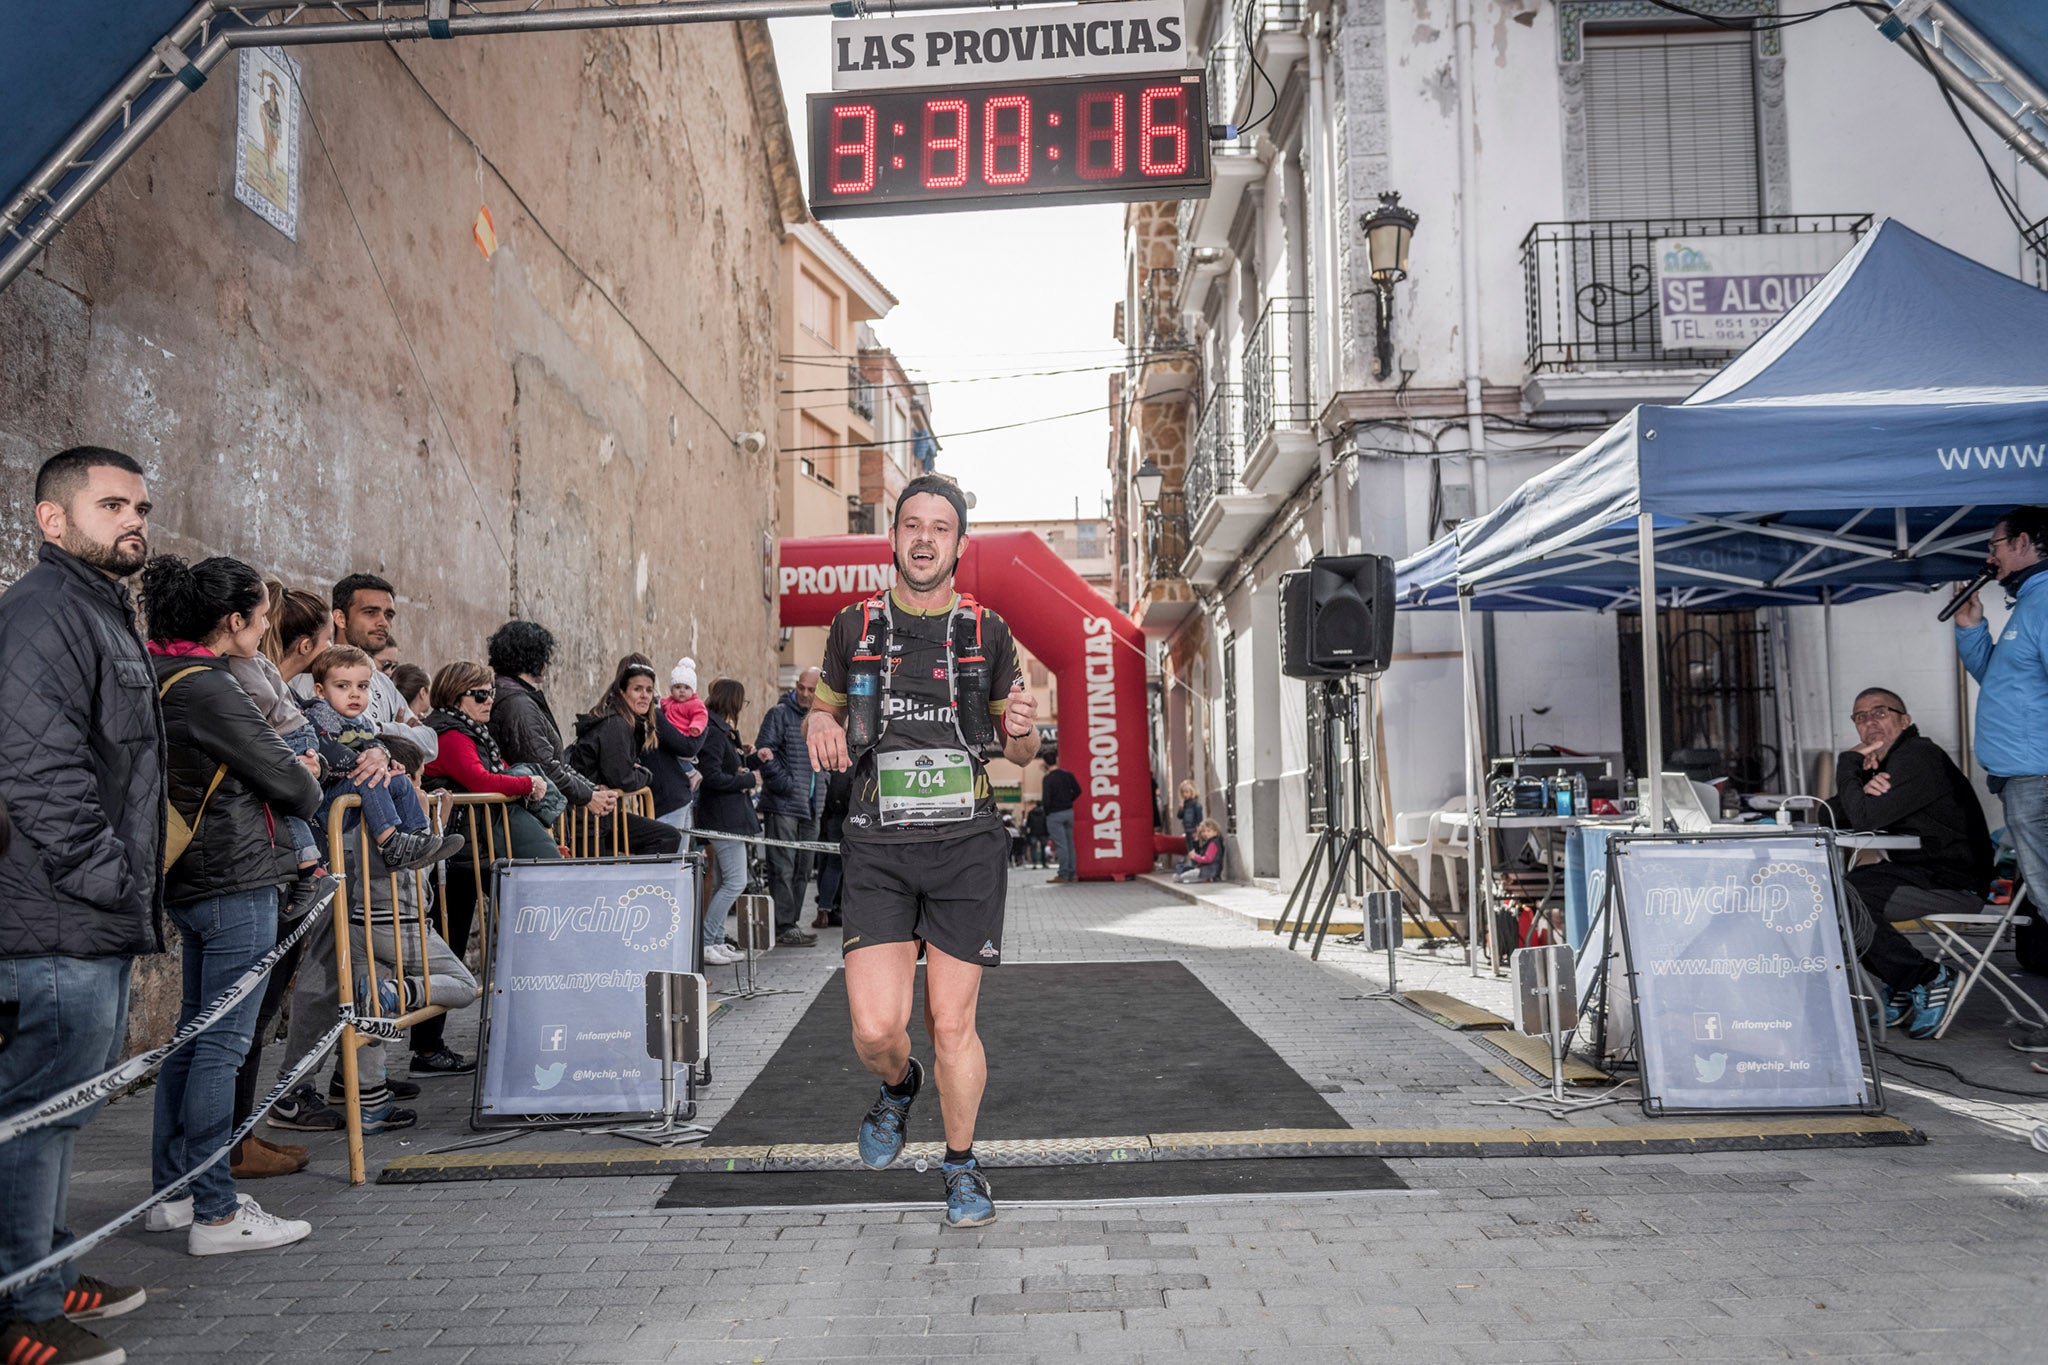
{"x":548,"y":1077}
{"x":1709,"y":1068}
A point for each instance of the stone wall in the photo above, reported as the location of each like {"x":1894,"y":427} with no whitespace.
{"x":545,"y":433}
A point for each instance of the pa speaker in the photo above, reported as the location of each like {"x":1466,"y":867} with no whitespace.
{"x":1294,"y":630}
{"x":1350,"y":613}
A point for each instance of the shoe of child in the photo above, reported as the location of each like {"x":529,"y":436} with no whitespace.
{"x":311,"y":888}
{"x":407,"y":849}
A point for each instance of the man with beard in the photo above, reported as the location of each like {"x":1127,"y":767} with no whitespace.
{"x":2012,"y":702}
{"x":82,"y":780}
{"x":365,"y":609}
{"x":921,"y":685}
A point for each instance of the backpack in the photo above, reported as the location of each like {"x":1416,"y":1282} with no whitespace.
{"x":178,"y":832}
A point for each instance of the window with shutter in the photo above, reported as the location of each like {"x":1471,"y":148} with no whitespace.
{"x":1670,"y":125}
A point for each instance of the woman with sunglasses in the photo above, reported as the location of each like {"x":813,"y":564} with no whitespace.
{"x":468,"y":761}
{"x":615,"y":742}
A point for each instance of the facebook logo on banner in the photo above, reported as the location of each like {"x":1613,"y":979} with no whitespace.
{"x":554,"y":1038}
{"x":1706,"y":1027}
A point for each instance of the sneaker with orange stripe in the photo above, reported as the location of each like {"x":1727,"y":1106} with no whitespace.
{"x":93,"y":1298}
{"x":56,"y":1342}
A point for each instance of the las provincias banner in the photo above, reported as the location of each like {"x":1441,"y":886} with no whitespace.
{"x":1095,"y":652}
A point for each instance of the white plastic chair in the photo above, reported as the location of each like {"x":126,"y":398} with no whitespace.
{"x":1955,"y":938}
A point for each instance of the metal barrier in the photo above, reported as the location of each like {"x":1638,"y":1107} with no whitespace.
{"x":581,"y":834}
{"x":482,"y":832}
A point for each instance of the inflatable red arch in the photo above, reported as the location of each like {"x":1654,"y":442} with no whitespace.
{"x":1094,"y":650}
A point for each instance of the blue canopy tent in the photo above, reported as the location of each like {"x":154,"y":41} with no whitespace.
{"x":1865,"y":444}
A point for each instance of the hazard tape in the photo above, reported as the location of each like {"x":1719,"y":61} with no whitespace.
{"x":125,"y":1074}
{"x":80,"y":1246}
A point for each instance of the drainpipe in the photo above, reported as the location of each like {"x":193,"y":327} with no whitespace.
{"x":1322,"y":270}
{"x":1468,"y":247}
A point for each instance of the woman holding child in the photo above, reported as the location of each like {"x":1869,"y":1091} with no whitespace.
{"x":227,"y":769}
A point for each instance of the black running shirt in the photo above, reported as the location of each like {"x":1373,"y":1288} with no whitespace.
{"x":919,"y":740}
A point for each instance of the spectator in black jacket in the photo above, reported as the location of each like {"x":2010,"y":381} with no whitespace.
{"x":1898,"y":780}
{"x":1058,"y":793}
{"x":791,"y":815}
{"x":523,"y":723}
{"x":831,"y":830}
{"x":725,"y":803}
{"x":615,"y":741}
{"x":1036,"y":832}
{"x":226,"y":769}
{"x":82,"y":785}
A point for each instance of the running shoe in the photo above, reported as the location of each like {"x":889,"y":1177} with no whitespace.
{"x":386,"y":1117}
{"x":1896,"y":1005}
{"x":303,"y":1111}
{"x":2034,"y":1040}
{"x":1928,"y":1004}
{"x":443,"y":1061}
{"x":56,"y":1342}
{"x":968,"y":1200}
{"x":93,"y":1298}
{"x":881,"y":1132}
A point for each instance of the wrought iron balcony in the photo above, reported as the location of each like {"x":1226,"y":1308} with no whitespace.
{"x":1166,"y":536}
{"x":1276,"y":371}
{"x":1160,"y":320}
{"x":1590,"y":288}
{"x":1212,"y":469}
{"x":860,"y":392}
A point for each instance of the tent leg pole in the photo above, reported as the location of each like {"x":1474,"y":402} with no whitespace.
{"x":1476,"y":830}
{"x":1653,"y":652}
{"x":1827,"y":647}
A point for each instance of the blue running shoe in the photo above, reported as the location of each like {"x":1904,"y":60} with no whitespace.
{"x":1896,"y":1005}
{"x":968,"y":1204}
{"x":881,"y":1132}
{"x":1927,"y":1005}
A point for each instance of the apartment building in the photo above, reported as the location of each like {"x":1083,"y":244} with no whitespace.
{"x":1289,"y":395}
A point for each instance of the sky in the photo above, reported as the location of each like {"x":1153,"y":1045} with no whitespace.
{"x":983,"y":295}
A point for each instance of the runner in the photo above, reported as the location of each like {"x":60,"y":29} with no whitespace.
{"x":926,"y":861}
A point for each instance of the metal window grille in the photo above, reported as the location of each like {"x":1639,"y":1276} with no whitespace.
{"x":1275,"y":382}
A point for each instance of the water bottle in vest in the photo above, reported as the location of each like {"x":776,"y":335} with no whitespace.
{"x":863,"y":710}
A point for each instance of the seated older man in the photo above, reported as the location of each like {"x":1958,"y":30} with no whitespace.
{"x":1898,"y":780}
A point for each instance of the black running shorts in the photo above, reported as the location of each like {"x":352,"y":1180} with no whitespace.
{"x":949,"y":893}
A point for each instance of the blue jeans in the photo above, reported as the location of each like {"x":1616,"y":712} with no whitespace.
{"x":195,"y":1095}
{"x":299,"y":836}
{"x":729,"y":868}
{"x":395,"y":805}
{"x":72,"y":1024}
{"x":2026,"y":825}
{"x":1060,"y":824}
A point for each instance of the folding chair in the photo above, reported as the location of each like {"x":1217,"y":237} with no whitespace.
{"x":1954,"y":940}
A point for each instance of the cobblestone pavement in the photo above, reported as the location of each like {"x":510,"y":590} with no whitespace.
{"x":1936,"y":1250}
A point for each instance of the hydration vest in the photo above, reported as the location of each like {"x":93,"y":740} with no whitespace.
{"x":869,"y":678}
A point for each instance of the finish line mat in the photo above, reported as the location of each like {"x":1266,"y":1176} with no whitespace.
{"x":1075,"y":1050}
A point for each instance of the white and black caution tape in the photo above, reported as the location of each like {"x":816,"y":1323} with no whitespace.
{"x":125,"y":1074}
{"x":804,"y":845}
{"x":371,"y":1026}
{"x":176,"y":1189}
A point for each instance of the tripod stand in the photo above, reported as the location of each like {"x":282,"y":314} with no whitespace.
{"x":1340,"y":850}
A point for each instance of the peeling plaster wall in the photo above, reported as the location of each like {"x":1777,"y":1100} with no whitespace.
{"x":273,"y":398}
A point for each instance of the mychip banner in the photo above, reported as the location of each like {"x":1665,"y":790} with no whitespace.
{"x":565,"y":1005}
{"x":1742,"y":989}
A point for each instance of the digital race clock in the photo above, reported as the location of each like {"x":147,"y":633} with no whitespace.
{"x":976,"y":146}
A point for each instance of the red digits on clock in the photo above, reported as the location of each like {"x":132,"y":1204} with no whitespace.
{"x":1170,"y":130}
{"x":1096,"y":132}
{"x":954,"y":142}
{"x":860,"y":149}
{"x":992,"y":141}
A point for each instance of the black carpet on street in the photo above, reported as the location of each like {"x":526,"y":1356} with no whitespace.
{"x":1096,"y":1049}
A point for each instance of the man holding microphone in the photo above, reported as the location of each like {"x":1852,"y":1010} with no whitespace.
{"x":2012,"y":702}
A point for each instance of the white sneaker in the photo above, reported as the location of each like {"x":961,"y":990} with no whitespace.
{"x":251,"y":1229}
{"x":718,"y":955}
{"x":174,"y":1215}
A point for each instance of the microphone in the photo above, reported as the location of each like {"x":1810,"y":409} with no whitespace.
{"x":1955,"y":604}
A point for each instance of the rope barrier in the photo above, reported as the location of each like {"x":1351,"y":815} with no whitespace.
{"x":805,"y":845}
{"x":94,"y":1239}
{"x":125,"y":1074}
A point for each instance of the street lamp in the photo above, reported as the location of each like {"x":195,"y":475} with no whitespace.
{"x":1148,"y":480}
{"x":1387,"y":232}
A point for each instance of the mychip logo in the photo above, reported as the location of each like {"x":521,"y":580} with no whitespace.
{"x":645,"y":918}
